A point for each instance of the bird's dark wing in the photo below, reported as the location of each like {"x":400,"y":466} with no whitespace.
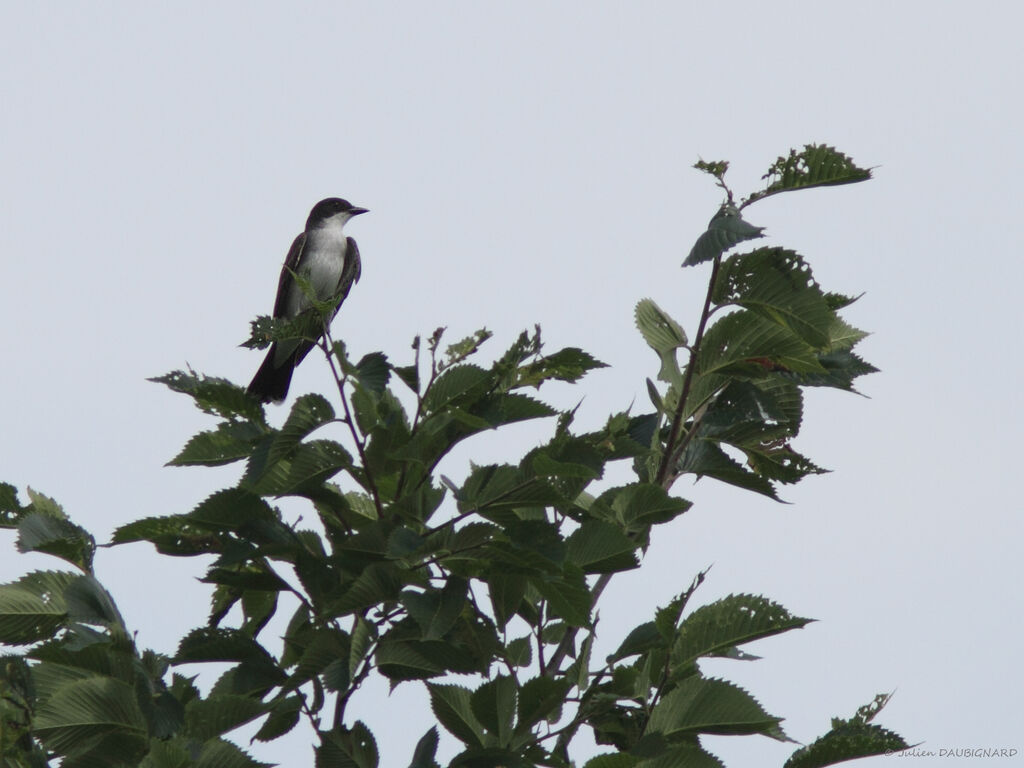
{"x":350,"y":272}
{"x":284,"y":283}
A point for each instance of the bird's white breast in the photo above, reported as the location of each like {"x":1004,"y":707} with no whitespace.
{"x":323,"y":259}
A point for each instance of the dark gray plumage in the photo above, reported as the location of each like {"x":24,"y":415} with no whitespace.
{"x":330,"y":262}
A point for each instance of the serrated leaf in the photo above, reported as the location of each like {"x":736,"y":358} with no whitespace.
{"x":638,"y":505}
{"x":405,"y":660}
{"x":57,"y":536}
{"x":308,"y":413}
{"x":217,"y":753}
{"x":539,"y":698}
{"x":641,"y":639}
{"x":282,"y":719}
{"x":376,"y":583}
{"x":215,"y":396}
{"x":745,"y":344}
{"x":436,"y":610}
{"x":778,"y":285}
{"x":457,"y":383}
{"x":705,"y":459}
{"x":11,"y":510}
{"x":817,"y":165}
{"x":426,"y":749}
{"x":92,"y":709}
{"x":347,"y":748}
{"x":33,"y":607}
{"x":847,"y":741}
{"x":214,"y":716}
{"x":452,"y":708}
{"x":706,"y":705}
{"x":569,"y":364}
{"x":568,"y":597}
{"x":373,"y":371}
{"x":89,"y":602}
{"x":519,"y":652}
{"x":600,"y":547}
{"x":228,"y":443}
{"x":494,"y":705}
{"x":664,"y":335}
{"x":729,"y":622}
{"x":726,"y":229}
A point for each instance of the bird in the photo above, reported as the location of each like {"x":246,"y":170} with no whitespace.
{"x":329,"y":261}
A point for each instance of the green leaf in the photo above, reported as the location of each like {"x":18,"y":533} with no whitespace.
{"x":462,"y":382}
{"x":216,"y":715}
{"x":600,"y":547}
{"x":33,"y":607}
{"x":682,"y":756}
{"x":569,"y":364}
{"x":705,"y":459}
{"x":745,"y":344}
{"x":839,"y":369}
{"x":494,"y":705}
{"x":568,"y":597}
{"x":462,"y":349}
{"x":452,"y":708}
{"x":777,"y":284}
{"x":282,"y":719}
{"x":89,"y":602}
{"x":426,"y":749}
{"x":218,"y":644}
{"x":637,"y":506}
{"x":308,"y":413}
{"x":377,"y":583}
{"x":363,"y":635}
{"x":519,"y":652}
{"x":641,"y":639}
{"x":229,"y":442}
{"x":410,"y":376}
{"x":310,"y":464}
{"x":404,"y":660}
{"x":373,"y":371}
{"x":215,"y":396}
{"x":716,"y":168}
{"x":731,"y":621}
{"x":496,"y":487}
{"x":726,"y":229}
{"x":818,"y":165}
{"x":437,"y":610}
{"x":96,"y":712}
{"x":11,"y":510}
{"x":613,"y":760}
{"x":42,"y":532}
{"x":347,"y":748}
{"x":218,"y":753}
{"x":700,"y":705}
{"x":662,"y":334}
{"x":540,"y":699}
{"x":847,"y":741}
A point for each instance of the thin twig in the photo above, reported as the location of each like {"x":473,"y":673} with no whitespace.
{"x":340,"y":379}
{"x":684,"y":394}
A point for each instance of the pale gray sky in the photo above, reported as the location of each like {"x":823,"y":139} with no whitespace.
{"x":529,"y":162}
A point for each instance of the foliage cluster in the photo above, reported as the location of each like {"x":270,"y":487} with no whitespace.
{"x":482,"y":588}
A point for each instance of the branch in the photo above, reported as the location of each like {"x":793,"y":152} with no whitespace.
{"x":668,"y":457}
{"x":340,"y":378}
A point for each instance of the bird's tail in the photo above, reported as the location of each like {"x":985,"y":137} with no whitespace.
{"x":271,"y":382}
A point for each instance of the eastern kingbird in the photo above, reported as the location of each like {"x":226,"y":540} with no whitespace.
{"x":330,"y":262}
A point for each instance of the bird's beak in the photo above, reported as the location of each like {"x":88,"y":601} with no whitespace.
{"x":356,"y":211}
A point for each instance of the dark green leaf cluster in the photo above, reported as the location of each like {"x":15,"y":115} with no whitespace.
{"x":484,"y":587}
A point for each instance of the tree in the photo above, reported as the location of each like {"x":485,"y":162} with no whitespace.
{"x":481,"y":588}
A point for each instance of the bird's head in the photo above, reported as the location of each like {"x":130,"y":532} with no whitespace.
{"x":332,"y":210}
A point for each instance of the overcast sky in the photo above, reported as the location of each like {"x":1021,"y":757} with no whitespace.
{"x":530,"y":162}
